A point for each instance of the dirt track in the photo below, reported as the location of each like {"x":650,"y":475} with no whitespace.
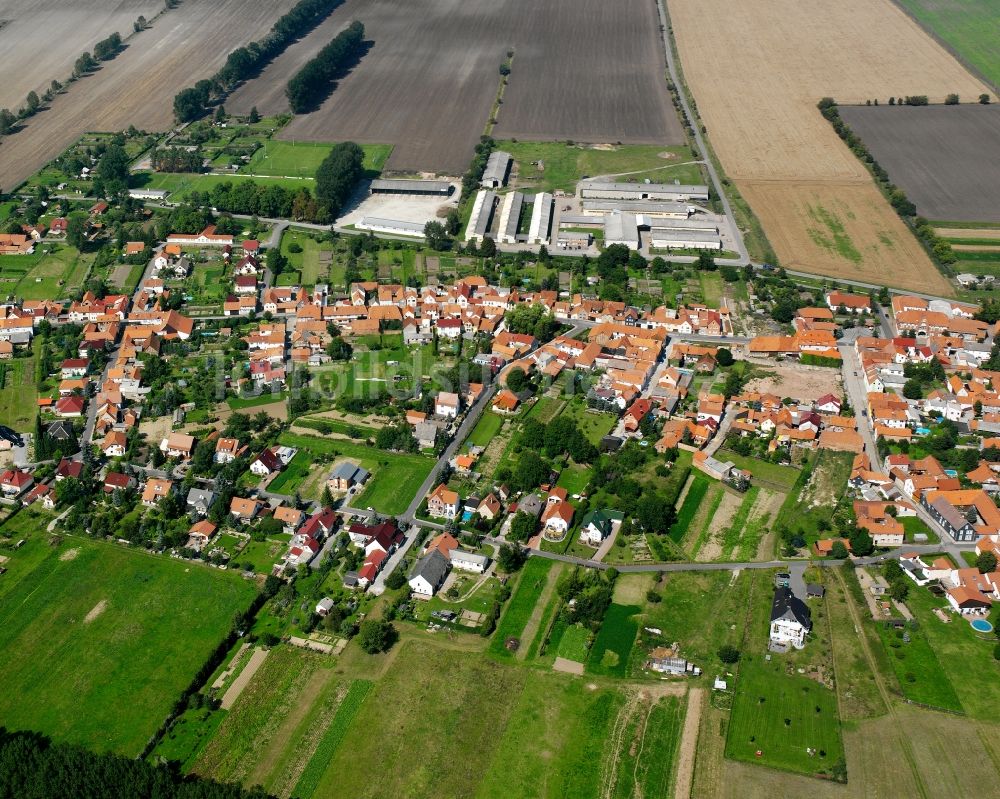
{"x":759,"y":106}
{"x":138,"y":87}
{"x":689,"y":744}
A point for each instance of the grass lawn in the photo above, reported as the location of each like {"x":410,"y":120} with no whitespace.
{"x":261,"y":554}
{"x":593,"y":424}
{"x":395,"y":477}
{"x":479,"y":601}
{"x":534,"y":576}
{"x":921,"y":675}
{"x":486,"y":428}
{"x":306,"y":262}
{"x":692,"y":501}
{"x":573,"y":643}
{"x":302,"y":159}
{"x":711,"y":288}
{"x":18,"y":394}
{"x":574,"y":479}
{"x":614,"y":641}
{"x":545,"y":166}
{"x":240,"y":403}
{"x":292,"y":475}
{"x":914,"y":525}
{"x":779,"y":476}
{"x":973,"y":33}
{"x":88,"y":634}
{"x":780,"y":715}
{"x":958,"y":640}
{"x":52,"y":271}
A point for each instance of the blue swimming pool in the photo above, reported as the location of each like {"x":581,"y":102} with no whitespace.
{"x":951,"y":472}
{"x":981,"y":626}
{"x":923,"y":431}
{"x":466,"y":515}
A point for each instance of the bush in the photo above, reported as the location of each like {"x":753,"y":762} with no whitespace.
{"x":653,"y":596}
{"x":728,"y":653}
{"x":376,"y":635}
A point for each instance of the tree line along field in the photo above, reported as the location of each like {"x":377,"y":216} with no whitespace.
{"x":819,"y":207}
{"x":69,"y":30}
{"x":430,"y":77}
{"x":137,"y":88}
{"x":970,"y":30}
{"x":89,"y":629}
{"x":945,"y":158}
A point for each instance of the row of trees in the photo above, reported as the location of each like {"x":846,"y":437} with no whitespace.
{"x":244,"y":62}
{"x":33,"y":767}
{"x":108,"y":48}
{"x":252,"y":198}
{"x":308,"y":87}
{"x":939,"y":250}
{"x":176,"y":159}
{"x":337,"y":176}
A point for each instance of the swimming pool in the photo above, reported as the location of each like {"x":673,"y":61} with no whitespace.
{"x":951,"y":472}
{"x":923,"y":431}
{"x":981,"y":626}
{"x":466,"y":515}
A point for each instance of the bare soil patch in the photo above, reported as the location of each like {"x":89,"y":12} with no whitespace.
{"x":95,"y":611}
{"x":689,"y":744}
{"x":243,"y":679}
{"x":976,"y":247}
{"x":968,"y":233}
{"x":946,"y":158}
{"x":188,"y":43}
{"x":798,"y":381}
{"x":711,"y":549}
{"x":568,"y":666}
{"x":70,"y":554}
{"x":759,"y":107}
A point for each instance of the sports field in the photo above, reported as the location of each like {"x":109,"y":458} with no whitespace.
{"x":94,"y":628}
{"x":970,"y":29}
{"x":820,"y":209}
{"x":302,"y":159}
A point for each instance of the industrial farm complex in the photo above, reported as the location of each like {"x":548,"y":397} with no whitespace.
{"x":499,"y":399}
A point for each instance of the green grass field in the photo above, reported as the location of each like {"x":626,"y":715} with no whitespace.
{"x":19,"y":394}
{"x":574,"y":479}
{"x":486,"y":428}
{"x":558,"y":165}
{"x":594,"y":425}
{"x":919,"y":672}
{"x":614,"y":641}
{"x":777,"y":475}
{"x":515,"y":616}
{"x":293,"y":474}
{"x":53,"y":271}
{"x":692,"y":501}
{"x":95,"y":628}
{"x":971,"y":28}
{"x":395,"y":477}
{"x":299,"y":159}
{"x":781,"y":715}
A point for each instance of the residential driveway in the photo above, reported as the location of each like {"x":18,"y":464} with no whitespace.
{"x":378,"y":586}
{"x":797,"y":583}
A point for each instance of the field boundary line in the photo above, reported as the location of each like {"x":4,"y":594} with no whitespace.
{"x":689,"y":742}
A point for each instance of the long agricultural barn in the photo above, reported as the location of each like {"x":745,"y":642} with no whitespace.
{"x":395,"y":227}
{"x":510,"y":216}
{"x":679,"y":224}
{"x":592,"y":189}
{"x":482,"y":215}
{"x":660,"y":239}
{"x":437,"y":188}
{"x":148,"y":194}
{"x":621,"y":228}
{"x":497,"y":168}
{"x":673,"y":210}
{"x":541,"y":218}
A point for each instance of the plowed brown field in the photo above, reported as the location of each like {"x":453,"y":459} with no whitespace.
{"x":40,"y":39}
{"x":138,"y":87}
{"x":586,"y":70}
{"x":818,"y":205}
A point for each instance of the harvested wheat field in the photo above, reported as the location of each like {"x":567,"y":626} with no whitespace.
{"x":819,"y":207}
{"x":41,"y":39}
{"x":586,"y":70}
{"x":138,"y":87}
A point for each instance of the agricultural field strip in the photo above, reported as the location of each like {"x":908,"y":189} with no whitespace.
{"x":771,"y":139}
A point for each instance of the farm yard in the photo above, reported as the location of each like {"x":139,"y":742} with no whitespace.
{"x":137,"y":87}
{"x":404,"y":90}
{"x":92,"y":611}
{"x":819,"y":207}
{"x":946,"y":158}
{"x":68,"y":29}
